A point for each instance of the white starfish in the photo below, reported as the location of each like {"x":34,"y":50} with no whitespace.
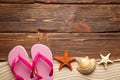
{"x":105,"y":60}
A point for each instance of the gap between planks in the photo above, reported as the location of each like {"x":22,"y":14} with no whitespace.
{"x":60,"y":1}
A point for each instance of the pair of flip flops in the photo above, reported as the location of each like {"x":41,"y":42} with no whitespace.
{"x":41,"y":67}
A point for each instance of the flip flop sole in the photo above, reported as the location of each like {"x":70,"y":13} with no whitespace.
{"x":42,"y":67}
{"x":20,"y":68}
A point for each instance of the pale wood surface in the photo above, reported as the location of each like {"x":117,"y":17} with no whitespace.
{"x":112,"y":73}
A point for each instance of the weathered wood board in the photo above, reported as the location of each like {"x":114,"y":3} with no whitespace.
{"x":112,"y":73}
{"x":78,"y":44}
{"x":17,"y":1}
{"x":79,"y":1}
{"x":59,"y":18}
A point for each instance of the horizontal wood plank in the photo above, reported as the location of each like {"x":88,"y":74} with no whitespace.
{"x":17,"y":1}
{"x":78,"y":44}
{"x":112,"y":73}
{"x":59,"y":18}
{"x":61,"y":1}
{"x":78,"y":1}
{"x":8,"y":41}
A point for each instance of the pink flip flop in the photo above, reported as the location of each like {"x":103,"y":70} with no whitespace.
{"x":42,"y":62}
{"x":19,"y":62}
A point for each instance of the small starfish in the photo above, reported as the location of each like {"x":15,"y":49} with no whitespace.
{"x":65,"y":60}
{"x":105,"y":60}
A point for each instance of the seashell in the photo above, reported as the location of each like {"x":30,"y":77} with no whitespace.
{"x":86,"y":65}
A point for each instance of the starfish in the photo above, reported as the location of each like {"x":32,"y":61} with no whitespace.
{"x":105,"y":60}
{"x":65,"y":60}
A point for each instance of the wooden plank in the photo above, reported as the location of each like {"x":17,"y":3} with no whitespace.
{"x":78,"y":44}
{"x":78,"y":1}
{"x":17,"y":1}
{"x":9,"y":40}
{"x":63,"y":1}
{"x":112,"y":73}
{"x":59,"y":18}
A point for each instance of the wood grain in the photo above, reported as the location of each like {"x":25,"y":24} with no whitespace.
{"x":9,"y":40}
{"x":79,"y":1}
{"x":112,"y":73}
{"x":59,"y":18}
{"x":62,"y":1}
{"x":17,"y":1}
{"x":78,"y":44}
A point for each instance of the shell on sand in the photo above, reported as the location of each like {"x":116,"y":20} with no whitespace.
{"x":86,"y":65}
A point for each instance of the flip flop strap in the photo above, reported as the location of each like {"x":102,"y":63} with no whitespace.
{"x":39,"y":55}
{"x":19,"y":58}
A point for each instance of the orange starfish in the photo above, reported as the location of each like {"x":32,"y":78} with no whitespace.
{"x":64,"y":60}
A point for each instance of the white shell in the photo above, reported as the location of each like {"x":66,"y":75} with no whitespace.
{"x":86,"y":65}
